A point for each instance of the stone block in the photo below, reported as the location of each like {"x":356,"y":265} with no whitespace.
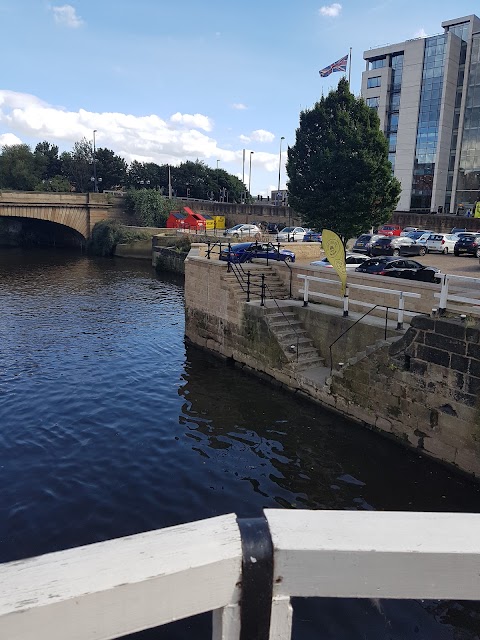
{"x":383,"y":424}
{"x":473,"y":334}
{"x":423,"y":322}
{"x":432,"y":355}
{"x":439,"y":449}
{"x":465,"y":398}
{"x":472,"y":385}
{"x":450,"y":327}
{"x":445,"y":343}
{"x":468,"y":460}
{"x":473,"y":350}
{"x":459,"y":363}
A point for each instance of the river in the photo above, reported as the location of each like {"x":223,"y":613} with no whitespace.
{"x":111,"y":425}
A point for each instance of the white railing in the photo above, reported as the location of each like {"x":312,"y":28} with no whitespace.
{"x":449,"y":299}
{"x":110,"y":589}
{"x":399,"y":295}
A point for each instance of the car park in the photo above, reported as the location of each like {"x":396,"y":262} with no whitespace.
{"x":273,"y":227}
{"x":292,"y":234}
{"x":364,"y":242}
{"x":240,"y":230}
{"x":312,"y":236}
{"x":406,"y":230}
{"x":402,"y":246}
{"x":248,"y":251}
{"x":441,"y":242}
{"x":400,"y":268}
{"x":415,"y":235}
{"x":458,"y":230}
{"x":469,"y":244}
{"x":389,"y":230}
{"x":352,"y":260}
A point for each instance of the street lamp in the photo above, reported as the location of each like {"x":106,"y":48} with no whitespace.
{"x":217,"y":164}
{"x":95,"y":185}
{"x":280,"y":165}
{"x":250,"y":173}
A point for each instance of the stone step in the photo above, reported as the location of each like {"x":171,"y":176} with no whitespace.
{"x":310,"y":364}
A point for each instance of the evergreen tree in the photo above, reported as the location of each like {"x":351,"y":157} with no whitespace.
{"x":339,"y":174}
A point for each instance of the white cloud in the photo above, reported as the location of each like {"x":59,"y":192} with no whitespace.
{"x":239,"y":106}
{"x":8,"y":139}
{"x":260,"y":135}
{"x":421,"y":33}
{"x":66,"y":16}
{"x":331,"y":10}
{"x":196,"y":120}
{"x":148,"y":138}
{"x":244,"y":138}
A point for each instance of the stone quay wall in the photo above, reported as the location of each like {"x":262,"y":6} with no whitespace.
{"x":419,"y":387}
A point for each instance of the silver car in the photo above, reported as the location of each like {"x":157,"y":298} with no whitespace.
{"x":243,"y":231}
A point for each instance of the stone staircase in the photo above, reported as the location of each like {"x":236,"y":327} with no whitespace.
{"x":274,"y":285}
{"x":292,"y":337}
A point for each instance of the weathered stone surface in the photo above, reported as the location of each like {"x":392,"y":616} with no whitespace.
{"x":445,"y":343}
{"x":434,"y":356}
{"x":459,"y":363}
{"x":453,"y":328}
{"x":423,"y":322}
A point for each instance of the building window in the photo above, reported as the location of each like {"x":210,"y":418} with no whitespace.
{"x":378,"y":63}
{"x":374,"y":82}
{"x":373,"y":102}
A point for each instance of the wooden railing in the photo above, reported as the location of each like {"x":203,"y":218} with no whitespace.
{"x":110,"y":589}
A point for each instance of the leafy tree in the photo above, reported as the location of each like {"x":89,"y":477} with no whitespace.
{"x":149,"y":207}
{"x":17,"y":168}
{"x":47,"y":162}
{"x":339,"y":174}
{"x":77,"y":166}
{"x":111,"y":168}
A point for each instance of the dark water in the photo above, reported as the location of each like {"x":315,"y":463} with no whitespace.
{"x":110,"y":425}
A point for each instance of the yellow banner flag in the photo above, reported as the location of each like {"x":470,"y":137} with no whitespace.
{"x":335,"y":252}
{"x":477,"y":210}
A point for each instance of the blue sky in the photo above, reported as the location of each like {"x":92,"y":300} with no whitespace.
{"x":170,"y":81}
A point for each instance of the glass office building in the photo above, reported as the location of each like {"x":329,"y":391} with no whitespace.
{"x":426,"y":92}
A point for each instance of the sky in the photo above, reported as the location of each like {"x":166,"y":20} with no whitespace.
{"x":183,"y":80}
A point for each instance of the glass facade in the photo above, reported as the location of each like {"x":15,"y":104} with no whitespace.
{"x":428,"y":120}
{"x":394,"y":106}
{"x":373,"y":102}
{"x":378,"y":63}
{"x":468,"y":183}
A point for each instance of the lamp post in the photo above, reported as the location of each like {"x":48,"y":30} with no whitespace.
{"x":243,"y":167}
{"x":95,"y":185}
{"x":280,"y":165}
{"x":217,"y":164}
{"x":250,"y":173}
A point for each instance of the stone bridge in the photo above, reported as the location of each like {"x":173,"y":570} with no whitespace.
{"x":78,"y":211}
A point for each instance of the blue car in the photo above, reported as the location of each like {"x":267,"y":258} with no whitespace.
{"x":312,"y":236}
{"x":247,"y":251}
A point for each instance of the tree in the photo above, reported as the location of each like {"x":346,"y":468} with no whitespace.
{"x":112,"y":169}
{"x":47,"y":162}
{"x":17,"y":168}
{"x":339,"y":174}
{"x":149,"y":207}
{"x":77,"y":166}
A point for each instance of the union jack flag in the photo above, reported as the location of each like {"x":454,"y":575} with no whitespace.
{"x":339,"y":65}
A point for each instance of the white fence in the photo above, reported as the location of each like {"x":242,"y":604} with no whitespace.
{"x":398,"y":295}
{"x":114,"y":588}
{"x":458,"y":291}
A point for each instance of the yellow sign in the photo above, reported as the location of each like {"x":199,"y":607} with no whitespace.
{"x":477,"y":210}
{"x":335,"y":252}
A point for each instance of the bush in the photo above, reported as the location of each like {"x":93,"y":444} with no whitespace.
{"x":107,"y":234}
{"x":150,"y":208}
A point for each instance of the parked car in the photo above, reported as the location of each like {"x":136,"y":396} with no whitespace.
{"x":352,"y":260}
{"x":406,"y":230}
{"x":389,"y":230}
{"x":400,"y":268}
{"x":312,"y":236}
{"x":441,"y":242}
{"x":240,"y":230}
{"x":403,"y":246}
{"x":416,"y":235}
{"x":364,"y":242}
{"x":247,"y":251}
{"x":292,"y":234}
{"x":273,"y":227}
{"x":458,"y":230}
{"x":469,"y":244}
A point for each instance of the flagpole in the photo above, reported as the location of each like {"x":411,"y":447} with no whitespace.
{"x":349,"y":66}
